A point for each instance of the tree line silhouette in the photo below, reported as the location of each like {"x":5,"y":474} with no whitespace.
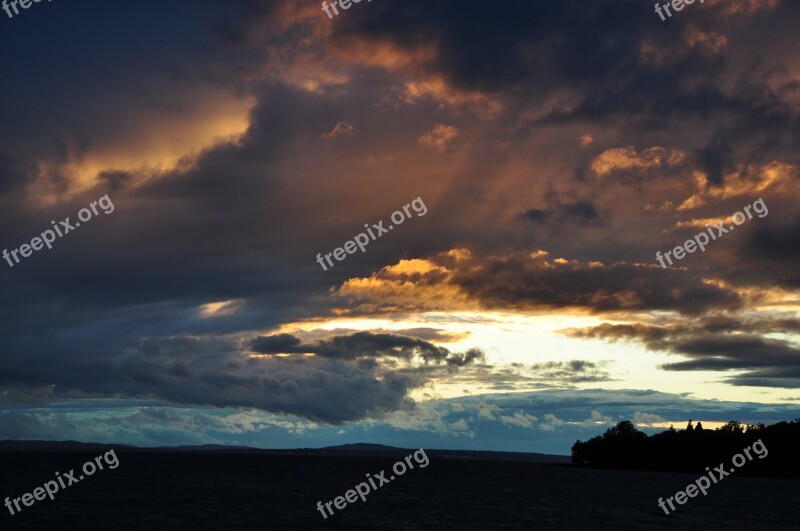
{"x":694,"y":448}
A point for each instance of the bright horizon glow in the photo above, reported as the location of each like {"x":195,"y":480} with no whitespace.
{"x":508,"y":338}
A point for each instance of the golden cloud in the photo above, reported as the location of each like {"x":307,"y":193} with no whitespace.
{"x":627,"y":158}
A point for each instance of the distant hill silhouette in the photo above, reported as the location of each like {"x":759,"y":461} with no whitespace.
{"x":362,"y":446}
{"x":694,"y":448}
{"x":59,"y":446}
{"x":356,"y":449}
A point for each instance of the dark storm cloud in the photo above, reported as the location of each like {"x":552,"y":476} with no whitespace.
{"x":581,"y":213}
{"x":115,"y":181}
{"x":715,"y":159}
{"x":776,"y":363}
{"x":657,"y":336}
{"x":470,"y":356}
{"x":336,"y":385}
{"x":777,"y":247}
{"x":718,"y":343}
{"x":726,"y":351}
{"x":651,"y":335}
{"x":592,"y":38}
{"x":329,"y":388}
{"x":437,"y":335}
{"x":519,"y":281}
{"x":281,"y":343}
{"x":365,"y":344}
{"x":614,"y":61}
{"x":593,"y":46}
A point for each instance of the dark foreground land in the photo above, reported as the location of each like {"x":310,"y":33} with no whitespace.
{"x":243,"y":491}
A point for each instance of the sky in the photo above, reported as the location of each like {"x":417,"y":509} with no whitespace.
{"x":515,"y":171}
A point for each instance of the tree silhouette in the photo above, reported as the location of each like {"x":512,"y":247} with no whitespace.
{"x":693,"y":449}
{"x":733,"y":426}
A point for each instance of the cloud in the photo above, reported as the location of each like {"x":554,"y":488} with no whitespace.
{"x":779,"y":242}
{"x":522,"y":377}
{"x":551,"y":423}
{"x":536,"y":281}
{"x":581,"y":213}
{"x":574,"y":371}
{"x":341,"y":129}
{"x":345,"y":379}
{"x":439,"y":138}
{"x":455,"y":422}
{"x":647,"y":419}
{"x":596,"y":416}
{"x":617,"y":160}
{"x":710,"y":41}
{"x":487,"y":411}
{"x":717,"y":343}
{"x":746,"y":7}
{"x":430,"y":334}
{"x":519,"y":419}
{"x":365,"y":344}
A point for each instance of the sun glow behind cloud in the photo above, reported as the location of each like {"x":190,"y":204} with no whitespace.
{"x":156,"y":145}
